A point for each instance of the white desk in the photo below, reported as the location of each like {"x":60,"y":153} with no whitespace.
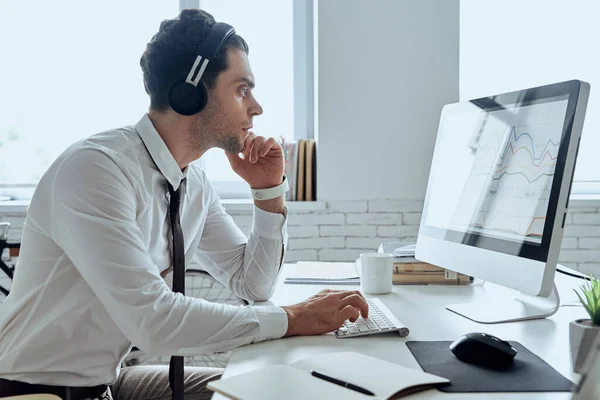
{"x":421,"y":308}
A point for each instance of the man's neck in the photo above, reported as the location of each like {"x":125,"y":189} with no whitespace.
{"x":174,"y":131}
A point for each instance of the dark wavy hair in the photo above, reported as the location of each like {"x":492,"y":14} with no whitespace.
{"x":172,"y":51}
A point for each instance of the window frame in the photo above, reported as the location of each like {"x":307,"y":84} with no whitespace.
{"x":304,"y":85}
{"x":580,"y":189}
{"x":304,"y":107}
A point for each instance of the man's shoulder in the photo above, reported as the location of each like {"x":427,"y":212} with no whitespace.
{"x":121,"y":147}
{"x":114,"y":142}
{"x":106,"y":161}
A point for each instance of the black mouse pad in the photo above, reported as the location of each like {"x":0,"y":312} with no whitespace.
{"x":527,"y":373}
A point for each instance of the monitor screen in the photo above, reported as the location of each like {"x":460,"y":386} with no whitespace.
{"x":496,"y":171}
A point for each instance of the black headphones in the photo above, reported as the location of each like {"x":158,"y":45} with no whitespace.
{"x":188,"y":97}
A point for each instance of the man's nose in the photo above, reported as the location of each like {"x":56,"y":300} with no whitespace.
{"x":256,"y":109}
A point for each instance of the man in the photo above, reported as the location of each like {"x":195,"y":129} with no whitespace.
{"x":95,"y":272}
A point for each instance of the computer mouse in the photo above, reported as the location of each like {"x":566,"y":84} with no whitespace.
{"x":483,"y":349}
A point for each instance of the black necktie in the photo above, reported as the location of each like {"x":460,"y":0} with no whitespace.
{"x":176,"y":365}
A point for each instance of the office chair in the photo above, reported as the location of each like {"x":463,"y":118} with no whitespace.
{"x":4,"y":244}
{"x":33,"y":397}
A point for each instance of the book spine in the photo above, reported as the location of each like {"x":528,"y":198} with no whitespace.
{"x":416,"y":267}
{"x":437,"y":278}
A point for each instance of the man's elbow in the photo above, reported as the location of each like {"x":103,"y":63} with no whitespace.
{"x":153,"y":345}
{"x":164,"y":346}
{"x":266,"y":297}
{"x":259,"y":294}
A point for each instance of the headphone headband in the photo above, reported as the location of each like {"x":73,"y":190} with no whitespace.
{"x":208,"y":50}
{"x":189,"y":97}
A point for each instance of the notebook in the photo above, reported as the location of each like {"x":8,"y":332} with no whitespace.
{"x":323,"y":272}
{"x":295,"y":382}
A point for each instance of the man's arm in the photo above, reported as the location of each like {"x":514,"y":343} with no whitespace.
{"x":275,"y":206}
{"x":250,"y":266}
{"x":93,"y":221}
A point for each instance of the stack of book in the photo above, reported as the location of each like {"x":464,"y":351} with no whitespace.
{"x":300,"y":159}
{"x":410,"y":271}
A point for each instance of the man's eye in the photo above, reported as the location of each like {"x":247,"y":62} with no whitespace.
{"x":244,"y":90}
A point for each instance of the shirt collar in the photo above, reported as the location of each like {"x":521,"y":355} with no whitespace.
{"x":159,"y":152}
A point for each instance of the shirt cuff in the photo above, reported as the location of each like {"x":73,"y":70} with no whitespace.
{"x":270,"y":225}
{"x":272,"y":322}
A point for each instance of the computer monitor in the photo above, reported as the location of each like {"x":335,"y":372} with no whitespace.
{"x":498,"y":193}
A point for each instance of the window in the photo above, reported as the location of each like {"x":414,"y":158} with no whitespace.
{"x":512,"y":44}
{"x":71,"y":69}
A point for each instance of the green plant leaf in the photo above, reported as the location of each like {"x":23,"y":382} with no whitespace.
{"x":589,"y":296}
{"x":584,"y":303}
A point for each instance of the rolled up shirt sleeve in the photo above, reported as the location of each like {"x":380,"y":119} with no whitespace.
{"x":94,"y":222}
{"x":248,"y":266}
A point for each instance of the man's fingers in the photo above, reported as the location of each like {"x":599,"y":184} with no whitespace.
{"x":330,"y":291}
{"x":267,"y":146}
{"x":257,"y":146}
{"x":349,"y":312}
{"x":352,"y":292}
{"x":232,"y":156}
{"x":248,"y":144}
{"x":346,"y":293}
{"x":357,"y":301}
{"x":257,"y":143}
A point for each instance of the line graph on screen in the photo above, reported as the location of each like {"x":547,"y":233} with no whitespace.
{"x":519,"y":156}
{"x":510,"y":181}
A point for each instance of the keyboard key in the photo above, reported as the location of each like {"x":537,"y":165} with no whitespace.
{"x":380,"y":320}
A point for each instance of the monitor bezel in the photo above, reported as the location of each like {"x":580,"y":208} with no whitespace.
{"x":568,"y":90}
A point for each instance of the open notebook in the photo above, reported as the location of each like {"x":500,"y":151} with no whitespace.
{"x":295,"y":382}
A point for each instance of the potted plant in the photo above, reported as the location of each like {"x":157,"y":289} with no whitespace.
{"x":583,"y":332}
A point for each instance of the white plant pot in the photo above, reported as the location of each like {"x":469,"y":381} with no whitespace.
{"x":581,"y":336}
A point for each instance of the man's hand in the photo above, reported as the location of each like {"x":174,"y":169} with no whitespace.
{"x":325,"y":312}
{"x":261,"y":164}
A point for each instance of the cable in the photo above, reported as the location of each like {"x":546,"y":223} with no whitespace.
{"x":584,"y":277}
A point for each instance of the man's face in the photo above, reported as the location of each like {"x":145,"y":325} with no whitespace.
{"x":231,"y":106}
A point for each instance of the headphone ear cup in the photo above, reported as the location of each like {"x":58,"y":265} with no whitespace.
{"x":187,"y":99}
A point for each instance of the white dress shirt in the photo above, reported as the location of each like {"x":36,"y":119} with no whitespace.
{"x":88,"y":282}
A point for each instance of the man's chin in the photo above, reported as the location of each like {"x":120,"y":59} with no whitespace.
{"x":233,"y":145}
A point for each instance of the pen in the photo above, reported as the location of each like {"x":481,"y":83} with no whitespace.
{"x":341,"y":383}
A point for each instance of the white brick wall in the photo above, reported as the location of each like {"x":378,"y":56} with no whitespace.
{"x":344,"y":229}
{"x":364,"y":224}
{"x":374,"y":218}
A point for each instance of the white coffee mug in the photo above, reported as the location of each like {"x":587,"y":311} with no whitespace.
{"x":375,"y":271}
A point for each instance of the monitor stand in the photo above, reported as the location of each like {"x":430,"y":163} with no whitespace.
{"x":501,"y":309}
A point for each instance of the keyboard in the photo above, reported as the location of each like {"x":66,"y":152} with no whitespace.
{"x":380,"y":320}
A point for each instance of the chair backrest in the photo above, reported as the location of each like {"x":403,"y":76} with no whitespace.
{"x":33,"y":397}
